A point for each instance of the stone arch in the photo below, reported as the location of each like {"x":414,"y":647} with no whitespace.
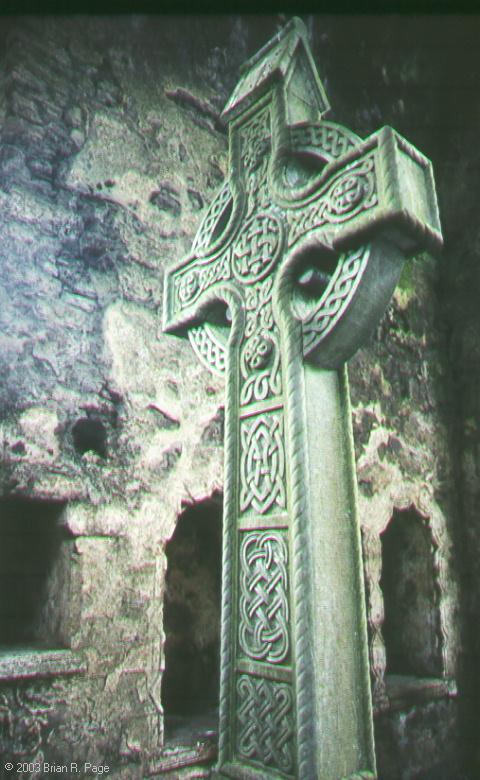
{"x":411,"y":624}
{"x":383,"y":509}
{"x":191,"y":621}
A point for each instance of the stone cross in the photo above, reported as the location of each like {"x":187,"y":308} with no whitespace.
{"x":300,"y":250}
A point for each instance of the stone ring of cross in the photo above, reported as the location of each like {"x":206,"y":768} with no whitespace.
{"x":342,"y":214}
{"x":300,"y":251}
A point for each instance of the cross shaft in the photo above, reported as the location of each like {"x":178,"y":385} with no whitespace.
{"x":295,"y":697}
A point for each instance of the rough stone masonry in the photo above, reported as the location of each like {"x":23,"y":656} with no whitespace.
{"x":111,"y":147}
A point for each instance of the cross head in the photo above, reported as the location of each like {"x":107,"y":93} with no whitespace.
{"x":303,"y":244}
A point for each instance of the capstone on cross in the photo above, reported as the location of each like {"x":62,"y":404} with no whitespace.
{"x":304,"y":244}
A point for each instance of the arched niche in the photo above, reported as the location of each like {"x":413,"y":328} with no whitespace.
{"x":411,"y":624}
{"x":191,"y":621}
{"x":385,"y":566}
{"x":34,"y":571}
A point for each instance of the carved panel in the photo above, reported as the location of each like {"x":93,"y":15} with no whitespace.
{"x":258,"y":247}
{"x":260,"y":352}
{"x":336,"y":299}
{"x":190,"y":284}
{"x":265,"y":719}
{"x":256,"y":140}
{"x":262,"y":466}
{"x":350,"y":193}
{"x":264,"y":612}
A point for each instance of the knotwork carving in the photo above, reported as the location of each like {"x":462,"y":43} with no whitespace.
{"x":188,"y":286}
{"x":262,"y":467}
{"x":256,"y":140}
{"x":350,"y":193}
{"x":264,"y":614}
{"x":336,"y":298}
{"x":193,"y":282}
{"x":258,"y":350}
{"x":257,"y":248}
{"x":248,"y":247}
{"x":265,"y":723}
{"x":260,"y":354}
{"x":261,"y":350}
{"x":208,"y":348}
{"x":258,"y":305}
{"x":330,"y":140}
{"x":218,"y":208}
{"x":256,"y":143}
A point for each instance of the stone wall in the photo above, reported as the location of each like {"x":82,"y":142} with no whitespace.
{"x":103,"y":179}
{"x":111,"y":147}
{"x":409,"y":409}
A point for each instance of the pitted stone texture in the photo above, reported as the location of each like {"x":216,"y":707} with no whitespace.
{"x":101,"y":180}
{"x":401,"y":399}
{"x":419,"y":75}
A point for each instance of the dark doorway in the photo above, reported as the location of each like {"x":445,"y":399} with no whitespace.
{"x":190,"y":685}
{"x":30,"y":540}
{"x":411,"y":625}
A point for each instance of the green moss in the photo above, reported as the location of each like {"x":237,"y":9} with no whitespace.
{"x":411,"y":278}
{"x":406,"y":282}
{"x":470,"y":426}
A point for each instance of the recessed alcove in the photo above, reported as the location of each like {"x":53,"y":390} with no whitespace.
{"x":411,"y":627}
{"x":90,"y":435}
{"x":190,"y":684}
{"x":313,"y":271}
{"x":31,"y":558}
{"x":301,"y":168}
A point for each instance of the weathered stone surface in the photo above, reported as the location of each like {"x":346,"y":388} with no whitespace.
{"x":82,"y":256}
{"x":97,"y":412}
{"x":287,"y":456}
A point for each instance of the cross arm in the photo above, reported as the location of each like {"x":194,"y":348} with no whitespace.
{"x":373,"y":205}
{"x":294,"y":691}
{"x":384,"y":186}
{"x":190,"y":286}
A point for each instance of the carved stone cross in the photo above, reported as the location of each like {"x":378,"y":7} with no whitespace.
{"x":304,"y":244}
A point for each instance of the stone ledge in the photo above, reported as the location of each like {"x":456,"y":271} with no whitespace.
{"x":174,"y":759}
{"x":17,"y":663}
{"x":404,"y":691}
{"x":190,"y":741}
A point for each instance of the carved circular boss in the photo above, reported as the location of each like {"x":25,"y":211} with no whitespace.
{"x":335,"y":324}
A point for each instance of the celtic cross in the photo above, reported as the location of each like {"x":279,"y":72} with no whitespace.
{"x":303,"y":244}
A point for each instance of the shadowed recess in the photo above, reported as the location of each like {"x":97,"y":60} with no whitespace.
{"x":313,"y":271}
{"x":90,"y":435}
{"x":30,"y":539}
{"x":301,"y":167}
{"x":192,"y":622}
{"x":411,"y":626}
